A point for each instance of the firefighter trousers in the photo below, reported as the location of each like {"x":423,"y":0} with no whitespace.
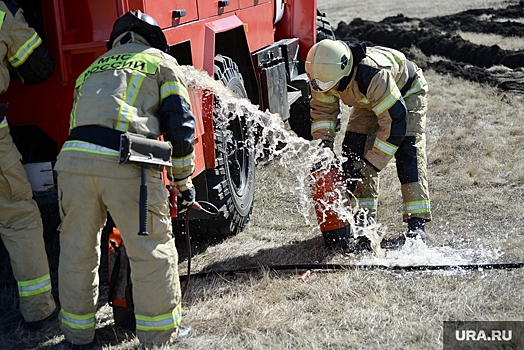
{"x":411,"y":160}
{"x":21,"y":230}
{"x":84,"y":203}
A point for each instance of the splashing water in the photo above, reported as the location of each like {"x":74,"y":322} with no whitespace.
{"x":299,"y":156}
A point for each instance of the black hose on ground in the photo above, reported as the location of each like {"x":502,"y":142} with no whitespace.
{"x":343,"y":267}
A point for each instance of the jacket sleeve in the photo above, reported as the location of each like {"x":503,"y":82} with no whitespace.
{"x":27,"y":53}
{"x":325,"y":108}
{"x":177,"y":122}
{"x":390,"y":109}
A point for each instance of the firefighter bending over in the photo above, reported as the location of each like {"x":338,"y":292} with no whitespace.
{"x":21,"y":226}
{"x":388,"y":119}
{"x":136,"y":87}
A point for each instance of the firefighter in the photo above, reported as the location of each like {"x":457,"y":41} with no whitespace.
{"x":388,"y":119}
{"x":21,"y":226}
{"x":135,"y":87}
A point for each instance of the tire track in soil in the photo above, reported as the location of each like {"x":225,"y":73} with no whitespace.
{"x":437,"y":36}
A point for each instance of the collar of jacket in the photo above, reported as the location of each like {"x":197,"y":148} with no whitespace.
{"x":358,"y":51}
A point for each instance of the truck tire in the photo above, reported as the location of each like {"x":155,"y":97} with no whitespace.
{"x":324,"y":28}
{"x":231,"y":184}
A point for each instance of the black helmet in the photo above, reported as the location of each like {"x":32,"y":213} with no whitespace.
{"x":141,"y":24}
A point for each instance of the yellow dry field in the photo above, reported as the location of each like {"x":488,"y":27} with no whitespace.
{"x":475,"y":140}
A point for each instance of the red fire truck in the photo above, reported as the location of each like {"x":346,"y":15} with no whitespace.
{"x":255,"y":47}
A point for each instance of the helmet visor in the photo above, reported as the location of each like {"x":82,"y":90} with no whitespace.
{"x":322,"y":86}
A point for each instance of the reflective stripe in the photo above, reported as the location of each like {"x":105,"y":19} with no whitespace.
{"x":183,"y":161}
{"x":72,"y":119}
{"x":2,"y":18}
{"x":140,"y":62}
{"x":81,"y":322}
{"x":124,"y":114}
{"x":364,"y":101}
{"x":414,"y":89}
{"x":159,"y":323}
{"x":323,"y":124}
{"x":34,"y":287}
{"x":385,"y":147}
{"x":87,"y":147}
{"x":24,"y":51}
{"x":365,"y":203}
{"x":387,"y":102}
{"x":3,"y":123}
{"x":324,"y":98}
{"x":174,"y":88}
{"x":417,"y":207}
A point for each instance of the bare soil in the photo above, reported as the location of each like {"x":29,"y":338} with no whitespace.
{"x":437,"y":36}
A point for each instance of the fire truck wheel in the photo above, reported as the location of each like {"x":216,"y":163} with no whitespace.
{"x":231,"y":184}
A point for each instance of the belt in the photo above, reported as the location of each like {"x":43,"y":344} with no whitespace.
{"x":98,"y":135}
{"x":411,"y":78}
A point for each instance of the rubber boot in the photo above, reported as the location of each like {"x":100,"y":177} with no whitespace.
{"x":340,"y":238}
{"x":416,"y":228}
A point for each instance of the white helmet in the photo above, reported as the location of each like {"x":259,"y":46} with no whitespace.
{"x":327,"y":62}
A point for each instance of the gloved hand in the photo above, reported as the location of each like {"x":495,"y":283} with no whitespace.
{"x":187,"y":194}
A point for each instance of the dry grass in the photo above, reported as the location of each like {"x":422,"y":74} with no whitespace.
{"x":511,"y":43}
{"x":476,"y":172}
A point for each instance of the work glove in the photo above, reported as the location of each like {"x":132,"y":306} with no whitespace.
{"x":187,"y":194}
{"x":328,"y":145}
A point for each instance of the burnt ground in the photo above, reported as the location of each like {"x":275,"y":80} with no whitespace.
{"x":437,"y":37}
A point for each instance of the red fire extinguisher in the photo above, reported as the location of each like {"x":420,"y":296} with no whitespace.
{"x":330,"y":196}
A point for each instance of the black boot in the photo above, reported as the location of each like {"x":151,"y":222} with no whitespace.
{"x":340,"y":238}
{"x":415,"y":230}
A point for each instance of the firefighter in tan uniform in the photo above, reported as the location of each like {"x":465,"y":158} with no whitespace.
{"x":135,"y":87}
{"x":20,"y":222}
{"x":388,"y":119}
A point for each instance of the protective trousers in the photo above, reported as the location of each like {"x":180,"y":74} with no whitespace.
{"x":84,"y":203}
{"x":411,"y":161}
{"x":22,"y":233}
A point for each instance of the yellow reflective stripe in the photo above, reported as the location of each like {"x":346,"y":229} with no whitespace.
{"x":23,"y":52}
{"x":363,"y":101}
{"x":72,"y":118}
{"x":34,"y":287}
{"x":325,"y":98}
{"x":125,"y":111}
{"x":140,"y":62}
{"x":173,"y":88}
{"x":385,"y":147}
{"x":2,"y":18}
{"x":365,"y":203}
{"x":87,"y":147}
{"x":414,"y":89}
{"x":3,"y":123}
{"x":322,"y":124}
{"x":81,"y":322}
{"x":159,"y":323}
{"x":416,"y":207}
{"x":387,"y":102}
{"x":183,"y":161}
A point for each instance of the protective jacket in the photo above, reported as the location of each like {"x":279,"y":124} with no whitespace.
{"x":139,"y":89}
{"x":374,"y":85}
{"x":21,"y":227}
{"x":388,"y":119}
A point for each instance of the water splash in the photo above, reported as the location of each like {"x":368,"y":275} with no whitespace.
{"x":299,"y":156}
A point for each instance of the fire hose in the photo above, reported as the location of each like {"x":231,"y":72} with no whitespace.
{"x":310,"y":267}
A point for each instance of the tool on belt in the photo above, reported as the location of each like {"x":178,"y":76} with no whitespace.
{"x":146,"y":153}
